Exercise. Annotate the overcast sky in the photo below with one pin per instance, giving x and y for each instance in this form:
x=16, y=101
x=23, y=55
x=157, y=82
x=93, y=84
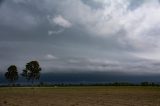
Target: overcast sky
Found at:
x=81, y=35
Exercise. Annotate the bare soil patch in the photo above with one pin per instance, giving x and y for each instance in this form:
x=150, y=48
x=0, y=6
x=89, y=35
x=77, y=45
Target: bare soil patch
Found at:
x=81, y=96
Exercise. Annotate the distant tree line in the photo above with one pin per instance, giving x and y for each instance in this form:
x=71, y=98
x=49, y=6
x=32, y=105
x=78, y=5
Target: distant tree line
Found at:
x=98, y=84
x=31, y=72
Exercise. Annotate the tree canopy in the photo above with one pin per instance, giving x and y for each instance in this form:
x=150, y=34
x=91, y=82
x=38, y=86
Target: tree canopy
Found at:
x=32, y=71
x=12, y=73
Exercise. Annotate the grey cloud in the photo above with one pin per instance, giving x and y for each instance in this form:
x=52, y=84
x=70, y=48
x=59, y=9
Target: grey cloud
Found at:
x=135, y=4
x=16, y=17
x=138, y=67
x=1, y=1
x=93, y=4
x=25, y=30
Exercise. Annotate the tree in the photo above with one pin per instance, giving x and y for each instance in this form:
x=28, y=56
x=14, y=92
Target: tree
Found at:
x=12, y=74
x=32, y=71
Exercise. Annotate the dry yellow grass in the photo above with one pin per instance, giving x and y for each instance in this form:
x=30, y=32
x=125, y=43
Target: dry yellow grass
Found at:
x=81, y=96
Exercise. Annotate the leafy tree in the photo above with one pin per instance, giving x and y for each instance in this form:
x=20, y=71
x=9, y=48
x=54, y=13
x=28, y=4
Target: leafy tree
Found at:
x=32, y=71
x=12, y=74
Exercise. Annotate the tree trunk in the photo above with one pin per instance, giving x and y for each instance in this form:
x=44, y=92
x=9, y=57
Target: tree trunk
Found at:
x=32, y=83
x=33, y=87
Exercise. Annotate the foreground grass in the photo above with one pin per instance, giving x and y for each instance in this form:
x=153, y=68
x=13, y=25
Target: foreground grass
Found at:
x=80, y=96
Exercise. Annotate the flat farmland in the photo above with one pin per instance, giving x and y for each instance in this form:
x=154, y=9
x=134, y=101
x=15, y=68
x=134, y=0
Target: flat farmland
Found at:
x=80, y=96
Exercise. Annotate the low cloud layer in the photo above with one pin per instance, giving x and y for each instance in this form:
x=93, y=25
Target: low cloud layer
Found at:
x=95, y=35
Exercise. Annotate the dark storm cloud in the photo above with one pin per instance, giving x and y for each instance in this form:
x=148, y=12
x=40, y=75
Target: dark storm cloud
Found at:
x=77, y=35
x=1, y=1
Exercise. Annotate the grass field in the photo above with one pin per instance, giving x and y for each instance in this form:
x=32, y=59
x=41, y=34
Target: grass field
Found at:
x=80, y=96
